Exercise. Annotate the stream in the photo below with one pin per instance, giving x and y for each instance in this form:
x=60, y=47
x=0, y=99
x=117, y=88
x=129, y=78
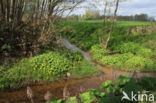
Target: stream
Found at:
x=74, y=86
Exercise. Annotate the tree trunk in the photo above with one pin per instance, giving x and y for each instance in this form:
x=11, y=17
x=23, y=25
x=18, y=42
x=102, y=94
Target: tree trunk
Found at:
x=112, y=24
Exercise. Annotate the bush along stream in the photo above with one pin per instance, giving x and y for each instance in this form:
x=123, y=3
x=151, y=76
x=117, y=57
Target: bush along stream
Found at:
x=51, y=66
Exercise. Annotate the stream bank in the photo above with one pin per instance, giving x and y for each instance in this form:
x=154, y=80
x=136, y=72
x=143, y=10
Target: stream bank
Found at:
x=74, y=86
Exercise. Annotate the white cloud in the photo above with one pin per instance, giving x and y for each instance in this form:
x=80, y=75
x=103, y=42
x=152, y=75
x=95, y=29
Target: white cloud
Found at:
x=129, y=7
x=132, y=7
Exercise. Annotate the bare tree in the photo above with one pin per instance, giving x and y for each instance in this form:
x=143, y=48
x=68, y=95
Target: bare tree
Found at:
x=112, y=23
x=38, y=17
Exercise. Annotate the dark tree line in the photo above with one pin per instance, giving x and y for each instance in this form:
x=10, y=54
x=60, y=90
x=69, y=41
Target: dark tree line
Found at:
x=137, y=17
x=96, y=16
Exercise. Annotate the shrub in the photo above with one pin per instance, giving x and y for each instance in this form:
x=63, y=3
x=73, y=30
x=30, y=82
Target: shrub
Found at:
x=128, y=47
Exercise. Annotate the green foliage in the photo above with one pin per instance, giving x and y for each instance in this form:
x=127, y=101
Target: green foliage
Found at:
x=75, y=56
x=81, y=67
x=136, y=63
x=56, y=101
x=2, y=73
x=116, y=60
x=128, y=47
x=106, y=84
x=51, y=63
x=126, y=61
x=5, y=47
x=111, y=90
x=72, y=100
x=80, y=33
x=122, y=80
x=98, y=52
x=134, y=48
x=132, y=57
x=123, y=83
x=19, y=74
x=45, y=67
x=85, y=35
x=87, y=97
x=150, y=41
x=147, y=53
x=148, y=83
x=84, y=68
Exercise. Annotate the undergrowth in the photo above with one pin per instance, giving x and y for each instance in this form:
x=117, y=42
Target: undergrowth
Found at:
x=46, y=67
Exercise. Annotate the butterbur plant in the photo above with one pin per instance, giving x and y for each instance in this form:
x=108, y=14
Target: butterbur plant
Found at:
x=51, y=63
x=98, y=52
x=137, y=63
x=128, y=47
x=144, y=52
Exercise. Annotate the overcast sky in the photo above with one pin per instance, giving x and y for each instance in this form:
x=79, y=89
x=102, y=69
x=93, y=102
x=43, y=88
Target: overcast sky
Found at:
x=130, y=7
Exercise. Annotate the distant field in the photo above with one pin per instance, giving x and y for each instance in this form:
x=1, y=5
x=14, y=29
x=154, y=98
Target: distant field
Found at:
x=121, y=23
x=132, y=23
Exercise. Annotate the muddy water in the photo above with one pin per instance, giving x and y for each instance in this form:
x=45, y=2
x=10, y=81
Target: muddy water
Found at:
x=74, y=86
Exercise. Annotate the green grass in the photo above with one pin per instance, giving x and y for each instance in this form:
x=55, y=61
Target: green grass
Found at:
x=132, y=23
x=81, y=34
x=85, y=34
x=119, y=23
